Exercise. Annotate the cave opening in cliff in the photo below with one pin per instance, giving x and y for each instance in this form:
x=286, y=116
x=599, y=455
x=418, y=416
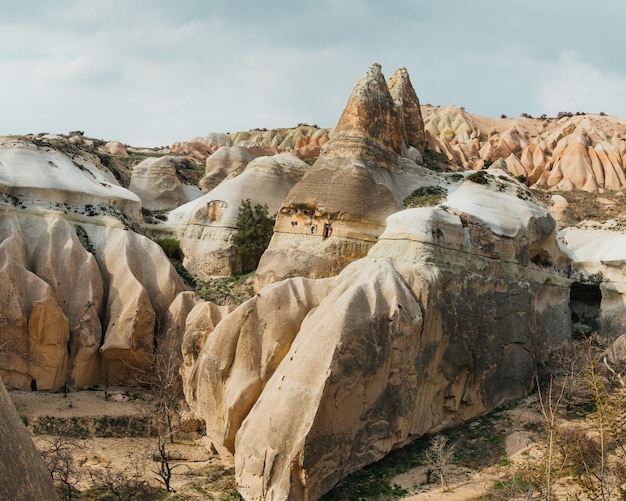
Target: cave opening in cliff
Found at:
x=584, y=303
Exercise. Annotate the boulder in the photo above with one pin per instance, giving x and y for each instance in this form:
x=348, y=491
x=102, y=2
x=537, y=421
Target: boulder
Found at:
x=115, y=148
x=23, y=473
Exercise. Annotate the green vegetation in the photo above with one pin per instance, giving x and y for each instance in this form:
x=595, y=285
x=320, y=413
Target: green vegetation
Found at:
x=232, y=290
x=479, y=177
x=426, y=196
x=437, y=162
x=74, y=427
x=254, y=230
x=478, y=444
x=374, y=481
x=171, y=247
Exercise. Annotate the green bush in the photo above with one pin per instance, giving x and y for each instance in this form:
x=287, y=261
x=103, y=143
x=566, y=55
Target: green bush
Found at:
x=171, y=247
x=254, y=231
x=479, y=177
x=74, y=427
x=426, y=196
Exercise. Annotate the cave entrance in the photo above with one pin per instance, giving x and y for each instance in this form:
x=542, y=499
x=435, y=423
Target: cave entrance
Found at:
x=584, y=303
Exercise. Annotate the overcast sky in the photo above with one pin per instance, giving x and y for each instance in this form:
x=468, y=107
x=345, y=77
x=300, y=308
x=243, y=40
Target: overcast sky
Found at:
x=151, y=72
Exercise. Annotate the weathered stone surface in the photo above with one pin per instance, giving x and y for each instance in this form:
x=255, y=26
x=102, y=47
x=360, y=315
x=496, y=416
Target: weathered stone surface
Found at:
x=338, y=210
x=225, y=162
x=141, y=285
x=408, y=103
x=313, y=379
x=575, y=152
x=205, y=226
x=47, y=177
x=156, y=182
x=35, y=331
x=115, y=148
x=68, y=270
x=23, y=473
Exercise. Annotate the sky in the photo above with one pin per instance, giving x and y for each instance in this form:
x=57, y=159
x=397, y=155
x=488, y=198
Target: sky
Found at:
x=152, y=72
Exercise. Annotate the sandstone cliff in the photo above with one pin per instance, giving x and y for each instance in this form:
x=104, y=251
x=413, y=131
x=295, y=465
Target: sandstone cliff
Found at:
x=338, y=210
x=205, y=226
x=313, y=379
x=81, y=293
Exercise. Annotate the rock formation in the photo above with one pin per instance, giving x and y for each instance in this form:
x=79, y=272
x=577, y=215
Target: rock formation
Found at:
x=23, y=473
x=408, y=103
x=313, y=379
x=338, y=210
x=225, y=162
x=36, y=174
x=205, y=226
x=574, y=152
x=81, y=293
x=156, y=182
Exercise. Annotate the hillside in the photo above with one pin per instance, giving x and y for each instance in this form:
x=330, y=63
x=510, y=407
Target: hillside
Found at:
x=425, y=266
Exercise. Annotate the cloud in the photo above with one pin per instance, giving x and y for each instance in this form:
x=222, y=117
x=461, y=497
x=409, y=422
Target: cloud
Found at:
x=155, y=71
x=572, y=84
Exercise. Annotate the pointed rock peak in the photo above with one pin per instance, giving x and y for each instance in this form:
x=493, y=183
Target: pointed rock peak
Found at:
x=370, y=119
x=407, y=102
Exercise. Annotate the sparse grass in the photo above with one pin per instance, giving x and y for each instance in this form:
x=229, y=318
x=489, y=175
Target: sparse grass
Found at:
x=598, y=207
x=373, y=481
x=479, y=444
x=74, y=427
x=437, y=162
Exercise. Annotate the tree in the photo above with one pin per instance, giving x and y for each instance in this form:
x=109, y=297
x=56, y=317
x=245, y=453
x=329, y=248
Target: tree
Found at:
x=164, y=459
x=439, y=458
x=254, y=231
x=58, y=453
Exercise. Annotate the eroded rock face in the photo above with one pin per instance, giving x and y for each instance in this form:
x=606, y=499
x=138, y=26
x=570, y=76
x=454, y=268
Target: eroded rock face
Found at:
x=583, y=152
x=334, y=215
x=408, y=103
x=81, y=294
x=205, y=226
x=44, y=175
x=313, y=379
x=156, y=182
x=225, y=162
x=23, y=473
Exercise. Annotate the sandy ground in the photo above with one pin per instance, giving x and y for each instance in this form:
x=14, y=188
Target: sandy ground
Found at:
x=198, y=469
x=465, y=484
x=203, y=475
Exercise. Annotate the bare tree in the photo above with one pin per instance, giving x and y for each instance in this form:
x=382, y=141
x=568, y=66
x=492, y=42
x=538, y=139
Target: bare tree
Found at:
x=439, y=458
x=58, y=453
x=125, y=485
x=550, y=403
x=165, y=461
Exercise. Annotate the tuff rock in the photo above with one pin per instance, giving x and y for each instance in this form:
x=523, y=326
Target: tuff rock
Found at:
x=313, y=379
x=357, y=181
